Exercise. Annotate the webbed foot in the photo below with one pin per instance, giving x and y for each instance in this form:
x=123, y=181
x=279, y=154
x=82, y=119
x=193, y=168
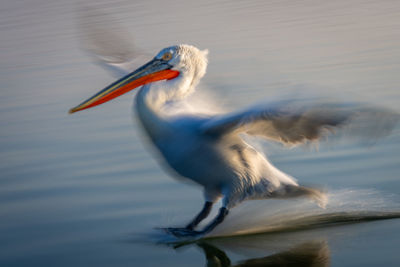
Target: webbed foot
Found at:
x=182, y=232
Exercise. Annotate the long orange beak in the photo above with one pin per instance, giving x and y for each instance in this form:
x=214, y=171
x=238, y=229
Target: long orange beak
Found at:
x=153, y=71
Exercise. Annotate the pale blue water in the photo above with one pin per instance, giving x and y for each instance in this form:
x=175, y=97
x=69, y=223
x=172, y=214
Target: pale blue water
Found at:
x=83, y=189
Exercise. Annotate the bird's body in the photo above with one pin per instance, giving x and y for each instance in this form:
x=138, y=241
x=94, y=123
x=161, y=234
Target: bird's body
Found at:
x=225, y=165
x=209, y=149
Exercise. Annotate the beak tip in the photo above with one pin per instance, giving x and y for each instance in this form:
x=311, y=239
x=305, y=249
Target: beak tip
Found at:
x=72, y=110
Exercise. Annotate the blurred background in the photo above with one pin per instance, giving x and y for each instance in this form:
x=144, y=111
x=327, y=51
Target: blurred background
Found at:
x=83, y=189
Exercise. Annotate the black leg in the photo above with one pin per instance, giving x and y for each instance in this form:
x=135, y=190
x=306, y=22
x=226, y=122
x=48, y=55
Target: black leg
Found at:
x=201, y=216
x=219, y=219
x=189, y=229
x=186, y=232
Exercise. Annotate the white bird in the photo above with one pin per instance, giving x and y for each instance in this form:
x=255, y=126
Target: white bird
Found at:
x=209, y=149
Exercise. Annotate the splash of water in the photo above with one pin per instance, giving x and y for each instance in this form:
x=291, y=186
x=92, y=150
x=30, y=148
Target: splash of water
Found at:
x=344, y=206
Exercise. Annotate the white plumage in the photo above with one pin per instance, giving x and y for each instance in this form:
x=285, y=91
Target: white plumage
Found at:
x=210, y=150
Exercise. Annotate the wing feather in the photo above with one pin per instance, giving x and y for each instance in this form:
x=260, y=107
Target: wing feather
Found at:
x=108, y=43
x=291, y=123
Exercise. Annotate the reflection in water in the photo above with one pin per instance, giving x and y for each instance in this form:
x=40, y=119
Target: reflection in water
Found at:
x=214, y=256
x=313, y=253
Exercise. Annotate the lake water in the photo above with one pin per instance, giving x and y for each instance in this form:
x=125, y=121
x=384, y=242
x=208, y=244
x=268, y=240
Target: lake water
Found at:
x=84, y=190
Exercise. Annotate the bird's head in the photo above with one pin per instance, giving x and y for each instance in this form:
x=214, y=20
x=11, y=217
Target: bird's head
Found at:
x=182, y=65
x=186, y=59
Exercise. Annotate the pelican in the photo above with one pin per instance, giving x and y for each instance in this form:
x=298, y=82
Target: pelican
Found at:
x=209, y=149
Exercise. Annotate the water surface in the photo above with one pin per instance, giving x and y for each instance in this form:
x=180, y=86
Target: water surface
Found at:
x=83, y=189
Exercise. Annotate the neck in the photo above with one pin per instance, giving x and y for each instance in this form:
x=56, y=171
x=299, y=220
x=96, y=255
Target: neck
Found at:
x=148, y=110
x=152, y=99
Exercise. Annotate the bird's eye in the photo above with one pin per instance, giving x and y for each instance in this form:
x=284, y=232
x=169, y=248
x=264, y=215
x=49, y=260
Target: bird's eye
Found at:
x=167, y=56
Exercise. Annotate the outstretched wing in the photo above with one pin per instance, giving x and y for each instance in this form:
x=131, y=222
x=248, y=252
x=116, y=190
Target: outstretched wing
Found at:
x=292, y=123
x=108, y=43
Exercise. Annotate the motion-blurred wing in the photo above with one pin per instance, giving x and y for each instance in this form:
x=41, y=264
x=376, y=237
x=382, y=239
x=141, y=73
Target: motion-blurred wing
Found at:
x=291, y=123
x=109, y=44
